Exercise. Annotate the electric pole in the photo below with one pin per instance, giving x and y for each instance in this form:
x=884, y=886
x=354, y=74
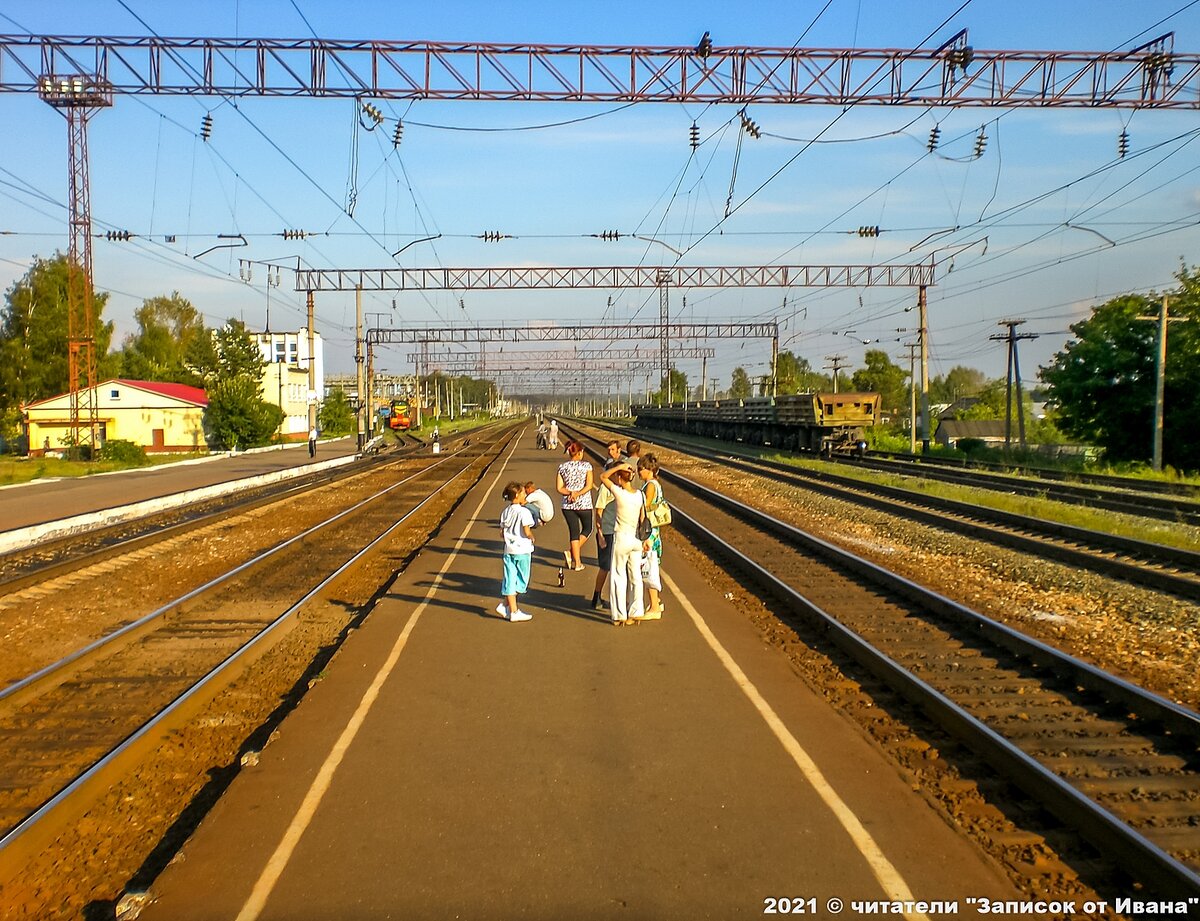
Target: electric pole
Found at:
x=1012, y=337
x=912, y=395
x=1160, y=377
x=837, y=365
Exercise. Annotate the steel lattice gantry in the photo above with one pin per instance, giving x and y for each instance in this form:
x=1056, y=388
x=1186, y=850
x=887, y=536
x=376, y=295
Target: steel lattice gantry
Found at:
x=952, y=74
x=635, y=276
x=584, y=332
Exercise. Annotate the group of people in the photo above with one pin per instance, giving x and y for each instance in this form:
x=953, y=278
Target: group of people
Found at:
x=547, y=434
x=629, y=564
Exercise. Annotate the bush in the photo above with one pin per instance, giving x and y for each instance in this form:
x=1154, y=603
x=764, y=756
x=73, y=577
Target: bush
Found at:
x=970, y=445
x=124, y=452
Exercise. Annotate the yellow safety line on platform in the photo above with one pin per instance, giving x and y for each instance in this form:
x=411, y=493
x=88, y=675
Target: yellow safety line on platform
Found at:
x=320, y=785
x=889, y=877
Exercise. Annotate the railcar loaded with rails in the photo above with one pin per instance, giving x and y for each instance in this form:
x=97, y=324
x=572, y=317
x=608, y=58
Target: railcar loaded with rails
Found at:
x=826, y=423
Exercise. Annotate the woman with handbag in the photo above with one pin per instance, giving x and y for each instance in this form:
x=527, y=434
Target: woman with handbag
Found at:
x=656, y=509
x=625, y=575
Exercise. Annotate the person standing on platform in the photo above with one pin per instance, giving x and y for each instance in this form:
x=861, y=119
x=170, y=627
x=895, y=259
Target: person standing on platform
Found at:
x=652, y=548
x=604, y=517
x=575, y=485
x=625, y=579
x=516, y=527
x=633, y=454
x=553, y=434
x=312, y=442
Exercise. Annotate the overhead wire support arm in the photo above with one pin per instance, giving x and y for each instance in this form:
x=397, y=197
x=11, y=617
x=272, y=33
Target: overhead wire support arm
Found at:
x=954, y=74
x=549, y=277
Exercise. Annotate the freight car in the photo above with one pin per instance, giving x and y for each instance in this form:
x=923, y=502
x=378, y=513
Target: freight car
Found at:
x=819, y=422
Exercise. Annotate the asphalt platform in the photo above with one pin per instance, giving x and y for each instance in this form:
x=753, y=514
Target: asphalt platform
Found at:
x=450, y=764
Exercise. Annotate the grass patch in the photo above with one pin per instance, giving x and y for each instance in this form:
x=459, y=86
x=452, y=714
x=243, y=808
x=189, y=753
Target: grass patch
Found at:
x=1102, y=520
x=15, y=470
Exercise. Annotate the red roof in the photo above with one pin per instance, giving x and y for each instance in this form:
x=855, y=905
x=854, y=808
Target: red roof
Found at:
x=174, y=391
x=183, y=392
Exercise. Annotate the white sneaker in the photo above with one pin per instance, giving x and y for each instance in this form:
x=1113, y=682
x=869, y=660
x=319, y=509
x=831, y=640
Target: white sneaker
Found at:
x=517, y=616
x=502, y=609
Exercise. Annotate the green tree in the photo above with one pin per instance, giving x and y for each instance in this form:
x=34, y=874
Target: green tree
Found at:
x=679, y=388
x=1103, y=383
x=795, y=375
x=237, y=416
x=739, y=384
x=231, y=368
x=157, y=351
x=883, y=377
x=34, y=333
x=959, y=381
x=336, y=417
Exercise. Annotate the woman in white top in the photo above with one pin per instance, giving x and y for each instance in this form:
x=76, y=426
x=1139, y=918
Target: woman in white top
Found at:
x=625, y=577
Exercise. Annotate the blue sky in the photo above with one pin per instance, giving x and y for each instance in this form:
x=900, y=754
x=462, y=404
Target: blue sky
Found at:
x=275, y=164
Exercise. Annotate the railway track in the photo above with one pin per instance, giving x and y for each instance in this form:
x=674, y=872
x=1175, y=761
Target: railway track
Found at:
x=1115, y=763
x=1172, y=570
x=75, y=725
x=1099, y=493
x=1128, y=483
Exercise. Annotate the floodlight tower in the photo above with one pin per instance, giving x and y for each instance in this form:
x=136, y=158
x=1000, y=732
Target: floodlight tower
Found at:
x=78, y=96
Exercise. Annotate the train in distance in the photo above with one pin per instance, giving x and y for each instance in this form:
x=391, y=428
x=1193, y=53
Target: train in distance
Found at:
x=824, y=423
x=399, y=418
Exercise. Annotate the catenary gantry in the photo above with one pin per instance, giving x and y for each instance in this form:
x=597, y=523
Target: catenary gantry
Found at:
x=952, y=74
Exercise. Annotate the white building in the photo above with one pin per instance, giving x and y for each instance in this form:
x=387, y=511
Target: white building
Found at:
x=285, y=378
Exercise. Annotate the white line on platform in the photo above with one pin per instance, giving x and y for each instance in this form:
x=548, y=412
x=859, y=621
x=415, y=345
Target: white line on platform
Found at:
x=888, y=876
x=320, y=785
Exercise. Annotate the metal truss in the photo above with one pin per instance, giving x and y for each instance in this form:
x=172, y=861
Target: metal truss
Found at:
x=954, y=74
x=550, y=277
x=553, y=332
x=470, y=360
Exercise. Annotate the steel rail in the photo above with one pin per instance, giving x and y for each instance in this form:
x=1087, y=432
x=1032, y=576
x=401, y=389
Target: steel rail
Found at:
x=1141, y=504
x=239, y=502
x=135, y=628
x=33, y=832
x=1123, y=843
x=989, y=523
x=1042, y=473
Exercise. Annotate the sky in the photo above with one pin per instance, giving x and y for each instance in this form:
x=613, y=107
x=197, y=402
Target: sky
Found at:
x=1044, y=225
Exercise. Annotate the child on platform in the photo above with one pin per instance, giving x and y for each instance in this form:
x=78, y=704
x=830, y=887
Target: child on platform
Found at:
x=516, y=527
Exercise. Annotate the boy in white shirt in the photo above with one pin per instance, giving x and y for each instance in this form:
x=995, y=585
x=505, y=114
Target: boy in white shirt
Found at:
x=516, y=526
x=539, y=503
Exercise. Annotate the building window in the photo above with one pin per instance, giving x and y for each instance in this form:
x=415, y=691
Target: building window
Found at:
x=114, y=394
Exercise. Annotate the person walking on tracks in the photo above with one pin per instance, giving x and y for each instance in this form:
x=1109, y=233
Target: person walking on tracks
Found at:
x=516, y=527
x=625, y=578
x=575, y=486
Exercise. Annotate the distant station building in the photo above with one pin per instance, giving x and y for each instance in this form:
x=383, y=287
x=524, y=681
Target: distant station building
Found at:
x=160, y=417
x=285, y=378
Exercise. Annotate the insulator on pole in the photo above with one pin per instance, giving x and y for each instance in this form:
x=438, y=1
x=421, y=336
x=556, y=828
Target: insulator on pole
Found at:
x=694, y=136
x=935, y=135
x=1122, y=144
x=398, y=134
x=869, y=231
x=206, y=126
x=980, y=142
x=295, y=234
x=118, y=236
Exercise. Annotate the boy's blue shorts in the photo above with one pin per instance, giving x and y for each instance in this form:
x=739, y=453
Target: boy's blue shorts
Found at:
x=516, y=573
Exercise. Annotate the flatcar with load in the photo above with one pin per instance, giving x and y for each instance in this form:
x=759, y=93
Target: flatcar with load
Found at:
x=825, y=423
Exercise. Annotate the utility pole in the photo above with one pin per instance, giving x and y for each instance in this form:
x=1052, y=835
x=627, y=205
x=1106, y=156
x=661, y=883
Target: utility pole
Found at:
x=837, y=365
x=1012, y=337
x=774, y=367
x=923, y=339
x=312, y=366
x=1160, y=377
x=358, y=368
x=912, y=395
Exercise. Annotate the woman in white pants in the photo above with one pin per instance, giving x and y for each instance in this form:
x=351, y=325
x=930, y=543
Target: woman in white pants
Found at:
x=625, y=577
